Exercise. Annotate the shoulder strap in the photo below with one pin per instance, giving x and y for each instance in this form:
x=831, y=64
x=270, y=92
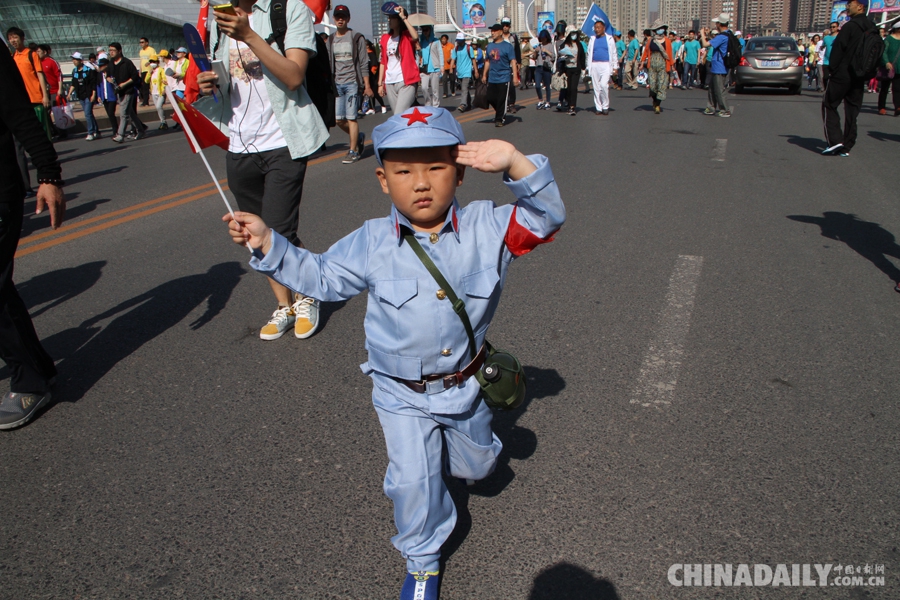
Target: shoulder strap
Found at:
x=278, y=18
x=459, y=307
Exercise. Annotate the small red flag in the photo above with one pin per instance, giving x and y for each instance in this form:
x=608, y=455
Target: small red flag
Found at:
x=205, y=132
x=318, y=7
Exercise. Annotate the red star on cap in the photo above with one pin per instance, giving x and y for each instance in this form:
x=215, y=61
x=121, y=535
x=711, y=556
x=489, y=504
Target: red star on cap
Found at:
x=417, y=117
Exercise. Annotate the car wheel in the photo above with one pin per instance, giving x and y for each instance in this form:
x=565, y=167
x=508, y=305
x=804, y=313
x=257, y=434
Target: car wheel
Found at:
x=738, y=89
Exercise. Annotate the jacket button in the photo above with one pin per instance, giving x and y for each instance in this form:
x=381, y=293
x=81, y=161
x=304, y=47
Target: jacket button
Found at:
x=434, y=238
x=441, y=294
x=446, y=352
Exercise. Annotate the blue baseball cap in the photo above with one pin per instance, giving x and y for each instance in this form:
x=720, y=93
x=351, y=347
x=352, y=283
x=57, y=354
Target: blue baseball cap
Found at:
x=389, y=8
x=419, y=127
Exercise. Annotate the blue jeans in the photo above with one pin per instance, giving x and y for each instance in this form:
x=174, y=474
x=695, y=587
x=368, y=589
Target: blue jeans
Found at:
x=542, y=78
x=88, y=107
x=346, y=102
x=690, y=74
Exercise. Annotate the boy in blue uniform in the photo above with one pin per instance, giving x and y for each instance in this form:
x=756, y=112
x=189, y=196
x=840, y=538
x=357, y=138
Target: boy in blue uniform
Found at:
x=418, y=356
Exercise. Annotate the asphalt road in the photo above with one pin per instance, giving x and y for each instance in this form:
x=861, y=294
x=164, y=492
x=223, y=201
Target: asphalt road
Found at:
x=711, y=345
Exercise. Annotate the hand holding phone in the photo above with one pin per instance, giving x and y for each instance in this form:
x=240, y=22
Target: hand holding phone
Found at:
x=228, y=9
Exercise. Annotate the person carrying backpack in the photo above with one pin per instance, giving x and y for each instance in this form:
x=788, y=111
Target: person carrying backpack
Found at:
x=718, y=51
x=847, y=78
x=272, y=125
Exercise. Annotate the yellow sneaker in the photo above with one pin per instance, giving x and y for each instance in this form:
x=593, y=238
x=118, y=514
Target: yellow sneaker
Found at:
x=306, y=310
x=280, y=321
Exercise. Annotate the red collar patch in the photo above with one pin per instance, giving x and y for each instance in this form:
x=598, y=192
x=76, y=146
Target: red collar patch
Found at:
x=417, y=117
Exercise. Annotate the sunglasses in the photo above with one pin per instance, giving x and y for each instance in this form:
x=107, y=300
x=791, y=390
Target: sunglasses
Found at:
x=476, y=13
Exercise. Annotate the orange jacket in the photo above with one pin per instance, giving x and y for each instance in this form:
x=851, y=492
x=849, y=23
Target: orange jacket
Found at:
x=670, y=60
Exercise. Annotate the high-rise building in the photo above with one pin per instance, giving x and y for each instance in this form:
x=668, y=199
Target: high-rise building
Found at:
x=760, y=16
x=440, y=11
x=710, y=9
x=380, y=21
x=626, y=14
x=680, y=15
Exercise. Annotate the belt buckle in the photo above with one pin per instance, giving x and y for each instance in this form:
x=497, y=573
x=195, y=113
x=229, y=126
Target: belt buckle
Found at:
x=435, y=386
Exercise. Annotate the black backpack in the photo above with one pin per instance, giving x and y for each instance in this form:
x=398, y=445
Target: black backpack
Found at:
x=866, y=56
x=732, y=57
x=319, y=83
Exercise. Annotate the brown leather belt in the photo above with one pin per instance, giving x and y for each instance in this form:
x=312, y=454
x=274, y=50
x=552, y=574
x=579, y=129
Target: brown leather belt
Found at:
x=433, y=383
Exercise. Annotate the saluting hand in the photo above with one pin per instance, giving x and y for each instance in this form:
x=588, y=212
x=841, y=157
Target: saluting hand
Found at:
x=495, y=156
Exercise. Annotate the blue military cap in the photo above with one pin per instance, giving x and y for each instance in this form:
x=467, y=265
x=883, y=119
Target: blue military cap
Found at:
x=419, y=127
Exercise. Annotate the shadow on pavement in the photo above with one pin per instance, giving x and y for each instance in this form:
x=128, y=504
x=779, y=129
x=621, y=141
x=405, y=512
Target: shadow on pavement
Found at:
x=519, y=443
x=33, y=223
x=99, y=152
x=53, y=288
x=89, y=176
x=565, y=580
x=88, y=352
x=885, y=137
x=869, y=240
x=811, y=144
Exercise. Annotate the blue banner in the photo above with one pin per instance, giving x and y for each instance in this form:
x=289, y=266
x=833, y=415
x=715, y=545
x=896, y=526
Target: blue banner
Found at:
x=596, y=14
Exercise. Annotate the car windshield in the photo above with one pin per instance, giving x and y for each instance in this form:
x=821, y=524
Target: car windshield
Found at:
x=771, y=46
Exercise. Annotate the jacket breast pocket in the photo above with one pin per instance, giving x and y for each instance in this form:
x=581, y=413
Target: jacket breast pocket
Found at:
x=396, y=292
x=481, y=284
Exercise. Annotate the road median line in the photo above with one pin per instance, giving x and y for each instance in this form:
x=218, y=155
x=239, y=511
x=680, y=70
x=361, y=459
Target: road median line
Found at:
x=33, y=243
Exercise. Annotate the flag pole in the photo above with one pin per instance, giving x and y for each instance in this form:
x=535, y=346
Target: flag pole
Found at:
x=187, y=129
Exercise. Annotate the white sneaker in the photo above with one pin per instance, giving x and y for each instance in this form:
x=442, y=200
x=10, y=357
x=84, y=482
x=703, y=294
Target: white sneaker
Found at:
x=371, y=111
x=281, y=320
x=90, y=137
x=306, y=310
x=383, y=109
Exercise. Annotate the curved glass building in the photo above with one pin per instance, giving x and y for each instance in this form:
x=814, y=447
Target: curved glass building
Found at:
x=84, y=25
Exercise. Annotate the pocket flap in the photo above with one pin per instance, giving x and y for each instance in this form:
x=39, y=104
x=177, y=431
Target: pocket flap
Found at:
x=481, y=284
x=396, y=292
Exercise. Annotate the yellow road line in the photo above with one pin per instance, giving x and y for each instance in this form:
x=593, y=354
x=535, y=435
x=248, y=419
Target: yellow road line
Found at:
x=33, y=243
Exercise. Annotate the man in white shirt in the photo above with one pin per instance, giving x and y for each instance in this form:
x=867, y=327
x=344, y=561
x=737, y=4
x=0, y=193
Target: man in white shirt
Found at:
x=603, y=65
x=273, y=127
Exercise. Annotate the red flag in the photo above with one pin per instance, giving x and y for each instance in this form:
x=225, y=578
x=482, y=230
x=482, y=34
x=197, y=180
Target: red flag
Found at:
x=318, y=7
x=191, y=89
x=205, y=132
x=202, y=20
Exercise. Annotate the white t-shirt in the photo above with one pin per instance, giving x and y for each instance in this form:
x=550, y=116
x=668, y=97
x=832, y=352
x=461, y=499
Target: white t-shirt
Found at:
x=393, y=74
x=820, y=50
x=253, y=125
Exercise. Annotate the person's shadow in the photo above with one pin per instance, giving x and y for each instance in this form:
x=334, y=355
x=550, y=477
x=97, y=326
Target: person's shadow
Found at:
x=88, y=352
x=518, y=443
x=53, y=288
x=812, y=144
x=885, y=137
x=565, y=581
x=869, y=240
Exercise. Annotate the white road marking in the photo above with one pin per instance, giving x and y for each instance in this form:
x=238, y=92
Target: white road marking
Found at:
x=659, y=372
x=718, y=152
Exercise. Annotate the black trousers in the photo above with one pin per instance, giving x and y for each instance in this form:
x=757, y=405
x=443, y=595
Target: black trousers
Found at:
x=269, y=184
x=511, y=93
x=30, y=365
x=497, y=94
x=887, y=85
x=144, y=89
x=849, y=92
x=110, y=108
x=572, y=76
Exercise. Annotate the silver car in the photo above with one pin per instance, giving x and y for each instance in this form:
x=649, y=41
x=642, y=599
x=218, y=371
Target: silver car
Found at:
x=770, y=62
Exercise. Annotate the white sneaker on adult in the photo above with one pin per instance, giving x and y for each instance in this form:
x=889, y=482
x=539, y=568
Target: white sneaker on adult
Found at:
x=280, y=321
x=306, y=310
